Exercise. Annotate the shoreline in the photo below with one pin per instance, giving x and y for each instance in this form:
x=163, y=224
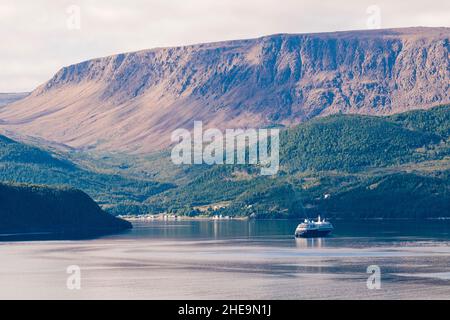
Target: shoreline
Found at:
x=173, y=217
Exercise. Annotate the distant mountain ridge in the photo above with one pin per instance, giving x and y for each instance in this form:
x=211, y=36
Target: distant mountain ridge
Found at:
x=131, y=102
x=6, y=98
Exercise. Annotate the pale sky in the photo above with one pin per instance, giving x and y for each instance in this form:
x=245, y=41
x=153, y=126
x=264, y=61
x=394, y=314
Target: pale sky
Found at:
x=39, y=37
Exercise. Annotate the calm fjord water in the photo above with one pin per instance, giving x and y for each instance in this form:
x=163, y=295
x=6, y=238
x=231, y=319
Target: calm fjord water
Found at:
x=236, y=260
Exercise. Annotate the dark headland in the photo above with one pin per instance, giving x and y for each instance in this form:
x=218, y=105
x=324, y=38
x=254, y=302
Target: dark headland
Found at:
x=31, y=212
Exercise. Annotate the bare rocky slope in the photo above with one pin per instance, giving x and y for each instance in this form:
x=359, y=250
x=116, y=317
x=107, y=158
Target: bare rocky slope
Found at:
x=132, y=102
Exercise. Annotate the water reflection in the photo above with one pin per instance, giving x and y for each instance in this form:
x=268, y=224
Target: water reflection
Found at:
x=271, y=229
x=305, y=243
x=236, y=260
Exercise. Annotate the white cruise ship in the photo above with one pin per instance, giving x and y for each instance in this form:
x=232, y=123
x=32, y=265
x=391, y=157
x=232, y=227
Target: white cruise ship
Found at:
x=310, y=228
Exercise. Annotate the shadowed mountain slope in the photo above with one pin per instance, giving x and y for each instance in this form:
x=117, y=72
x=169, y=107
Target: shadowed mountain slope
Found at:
x=70, y=212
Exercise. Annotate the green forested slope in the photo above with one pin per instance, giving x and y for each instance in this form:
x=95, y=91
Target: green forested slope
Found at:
x=341, y=158
x=346, y=165
x=27, y=164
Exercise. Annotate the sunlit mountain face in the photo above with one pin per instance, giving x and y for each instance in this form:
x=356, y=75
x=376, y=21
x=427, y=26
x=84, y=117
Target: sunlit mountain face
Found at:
x=132, y=102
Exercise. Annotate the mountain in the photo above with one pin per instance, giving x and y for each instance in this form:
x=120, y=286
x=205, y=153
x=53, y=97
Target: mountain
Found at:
x=64, y=213
x=117, y=194
x=347, y=166
x=132, y=102
x=6, y=98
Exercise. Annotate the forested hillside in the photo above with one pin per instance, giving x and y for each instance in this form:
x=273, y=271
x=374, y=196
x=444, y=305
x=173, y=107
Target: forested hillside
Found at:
x=27, y=164
x=345, y=165
x=63, y=211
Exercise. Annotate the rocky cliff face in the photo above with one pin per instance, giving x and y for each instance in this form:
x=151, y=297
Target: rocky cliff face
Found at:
x=132, y=102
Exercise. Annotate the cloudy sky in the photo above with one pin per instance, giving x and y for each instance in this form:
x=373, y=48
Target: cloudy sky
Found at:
x=40, y=36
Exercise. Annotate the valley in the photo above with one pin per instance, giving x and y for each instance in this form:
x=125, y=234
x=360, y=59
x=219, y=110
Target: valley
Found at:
x=380, y=167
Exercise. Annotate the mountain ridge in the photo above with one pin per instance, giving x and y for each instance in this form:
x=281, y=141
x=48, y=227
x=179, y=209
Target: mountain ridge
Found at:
x=10, y=97
x=368, y=32
x=132, y=102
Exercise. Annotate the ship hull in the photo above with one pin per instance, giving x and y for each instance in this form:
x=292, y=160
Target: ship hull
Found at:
x=313, y=233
